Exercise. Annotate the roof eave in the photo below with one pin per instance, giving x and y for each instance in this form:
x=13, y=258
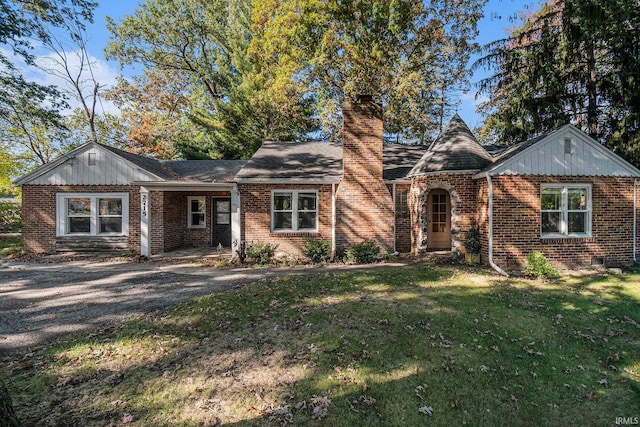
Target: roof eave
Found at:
x=446, y=172
x=332, y=180
x=63, y=158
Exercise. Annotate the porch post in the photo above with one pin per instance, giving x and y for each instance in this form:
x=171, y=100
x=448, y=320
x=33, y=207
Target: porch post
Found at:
x=145, y=202
x=235, y=219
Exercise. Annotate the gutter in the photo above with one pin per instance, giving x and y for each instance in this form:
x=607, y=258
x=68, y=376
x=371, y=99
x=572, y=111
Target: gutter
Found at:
x=491, y=263
x=635, y=223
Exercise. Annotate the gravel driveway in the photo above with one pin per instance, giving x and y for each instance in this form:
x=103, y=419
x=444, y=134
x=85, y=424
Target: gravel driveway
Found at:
x=40, y=302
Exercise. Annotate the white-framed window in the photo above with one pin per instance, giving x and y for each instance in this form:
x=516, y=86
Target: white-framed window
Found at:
x=197, y=207
x=565, y=210
x=92, y=214
x=401, y=201
x=294, y=210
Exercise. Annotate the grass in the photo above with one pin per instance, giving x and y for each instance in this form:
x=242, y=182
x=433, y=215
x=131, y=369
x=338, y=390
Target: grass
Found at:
x=396, y=347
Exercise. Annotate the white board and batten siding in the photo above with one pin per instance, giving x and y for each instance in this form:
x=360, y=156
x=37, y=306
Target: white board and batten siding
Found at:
x=93, y=166
x=566, y=152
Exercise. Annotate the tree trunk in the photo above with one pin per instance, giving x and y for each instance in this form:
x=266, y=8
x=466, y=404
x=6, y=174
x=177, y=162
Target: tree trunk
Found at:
x=7, y=415
x=592, y=93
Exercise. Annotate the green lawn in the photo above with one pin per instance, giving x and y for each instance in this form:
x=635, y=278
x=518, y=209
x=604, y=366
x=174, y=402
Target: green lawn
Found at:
x=395, y=347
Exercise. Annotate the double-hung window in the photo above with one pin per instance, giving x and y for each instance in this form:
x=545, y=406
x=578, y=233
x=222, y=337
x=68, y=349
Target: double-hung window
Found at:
x=401, y=201
x=293, y=210
x=92, y=214
x=197, y=209
x=565, y=210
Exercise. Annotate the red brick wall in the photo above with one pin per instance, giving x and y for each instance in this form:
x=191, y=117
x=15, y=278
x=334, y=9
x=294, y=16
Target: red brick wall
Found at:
x=169, y=222
x=403, y=222
x=39, y=213
x=482, y=216
x=364, y=207
x=255, y=201
x=516, y=222
x=462, y=192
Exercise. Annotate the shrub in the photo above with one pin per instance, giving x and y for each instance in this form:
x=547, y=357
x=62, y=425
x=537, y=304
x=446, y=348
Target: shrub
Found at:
x=10, y=221
x=538, y=266
x=472, y=242
x=262, y=254
x=362, y=253
x=316, y=250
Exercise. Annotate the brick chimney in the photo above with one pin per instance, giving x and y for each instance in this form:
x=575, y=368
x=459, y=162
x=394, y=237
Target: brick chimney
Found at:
x=364, y=207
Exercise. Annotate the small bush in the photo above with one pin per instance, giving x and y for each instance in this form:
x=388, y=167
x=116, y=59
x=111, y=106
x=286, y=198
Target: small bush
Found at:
x=538, y=266
x=316, y=250
x=362, y=253
x=262, y=254
x=472, y=242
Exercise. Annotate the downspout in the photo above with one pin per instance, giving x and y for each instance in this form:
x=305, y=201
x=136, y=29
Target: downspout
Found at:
x=491, y=263
x=393, y=204
x=333, y=221
x=635, y=223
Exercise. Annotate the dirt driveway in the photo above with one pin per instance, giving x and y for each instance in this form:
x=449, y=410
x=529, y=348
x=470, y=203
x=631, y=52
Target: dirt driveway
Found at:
x=41, y=302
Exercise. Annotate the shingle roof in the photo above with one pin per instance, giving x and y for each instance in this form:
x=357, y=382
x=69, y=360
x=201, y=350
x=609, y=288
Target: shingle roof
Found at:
x=455, y=149
x=399, y=159
x=150, y=165
x=206, y=170
x=515, y=149
x=294, y=160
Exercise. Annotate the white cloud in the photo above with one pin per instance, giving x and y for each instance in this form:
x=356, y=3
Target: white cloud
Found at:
x=103, y=74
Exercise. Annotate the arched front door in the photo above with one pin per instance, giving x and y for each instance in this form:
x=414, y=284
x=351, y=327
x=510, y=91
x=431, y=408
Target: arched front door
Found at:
x=439, y=220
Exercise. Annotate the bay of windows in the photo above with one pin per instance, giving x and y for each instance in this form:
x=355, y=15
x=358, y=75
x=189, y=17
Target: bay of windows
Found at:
x=294, y=211
x=565, y=210
x=92, y=214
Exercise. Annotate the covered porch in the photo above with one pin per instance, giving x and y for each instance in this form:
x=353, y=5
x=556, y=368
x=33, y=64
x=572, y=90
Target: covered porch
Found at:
x=183, y=215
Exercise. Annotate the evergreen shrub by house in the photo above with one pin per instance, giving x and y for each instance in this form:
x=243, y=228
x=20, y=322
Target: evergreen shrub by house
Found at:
x=538, y=266
x=316, y=250
x=472, y=242
x=262, y=253
x=362, y=253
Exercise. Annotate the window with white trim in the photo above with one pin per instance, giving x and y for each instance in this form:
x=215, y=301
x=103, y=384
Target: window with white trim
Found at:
x=293, y=210
x=565, y=210
x=197, y=209
x=92, y=214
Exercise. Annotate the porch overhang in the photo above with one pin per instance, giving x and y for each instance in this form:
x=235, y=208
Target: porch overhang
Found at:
x=186, y=185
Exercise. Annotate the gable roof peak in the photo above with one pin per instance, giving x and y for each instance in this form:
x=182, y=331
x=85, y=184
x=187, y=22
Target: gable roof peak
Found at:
x=455, y=149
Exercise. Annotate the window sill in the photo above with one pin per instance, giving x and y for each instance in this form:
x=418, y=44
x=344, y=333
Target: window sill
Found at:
x=292, y=233
x=565, y=236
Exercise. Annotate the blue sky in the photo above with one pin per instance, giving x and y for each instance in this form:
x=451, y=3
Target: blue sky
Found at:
x=498, y=17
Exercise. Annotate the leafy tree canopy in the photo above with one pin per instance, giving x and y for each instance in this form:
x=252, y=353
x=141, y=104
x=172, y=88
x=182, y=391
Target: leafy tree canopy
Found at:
x=412, y=54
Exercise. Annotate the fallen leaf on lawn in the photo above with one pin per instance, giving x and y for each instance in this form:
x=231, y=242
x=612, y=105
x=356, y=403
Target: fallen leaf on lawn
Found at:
x=604, y=382
x=368, y=400
x=427, y=410
x=484, y=368
x=127, y=418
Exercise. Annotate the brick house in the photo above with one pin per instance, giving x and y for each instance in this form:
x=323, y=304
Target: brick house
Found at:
x=561, y=193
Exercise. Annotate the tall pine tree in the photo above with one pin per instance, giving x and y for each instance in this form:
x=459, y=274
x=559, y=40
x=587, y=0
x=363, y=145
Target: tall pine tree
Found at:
x=573, y=61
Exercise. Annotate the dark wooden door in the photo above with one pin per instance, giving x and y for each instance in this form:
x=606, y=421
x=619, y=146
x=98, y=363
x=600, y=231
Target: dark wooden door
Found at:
x=221, y=222
x=439, y=217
